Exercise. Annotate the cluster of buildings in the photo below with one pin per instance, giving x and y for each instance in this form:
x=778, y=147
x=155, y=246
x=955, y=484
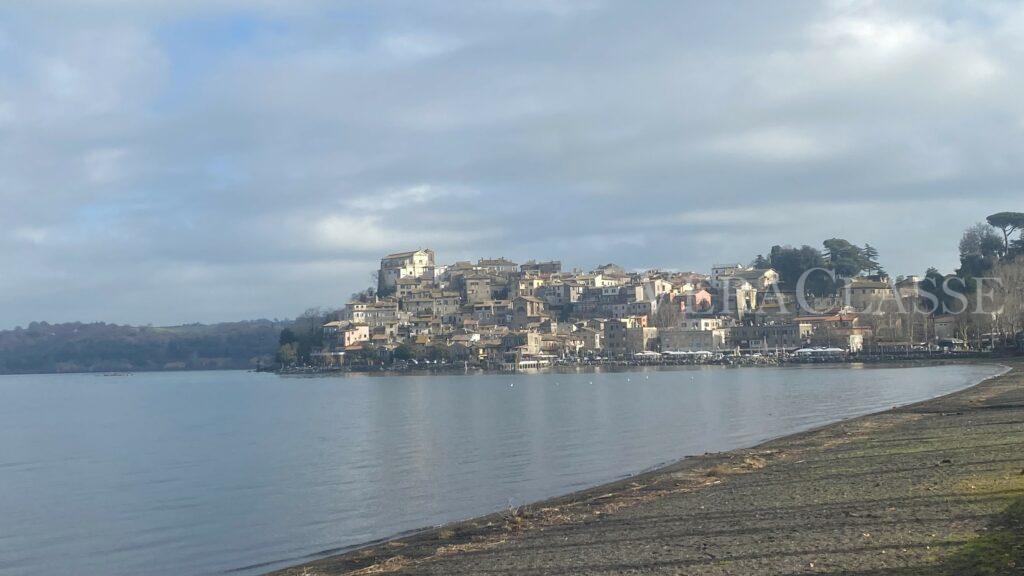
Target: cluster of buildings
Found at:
x=500, y=314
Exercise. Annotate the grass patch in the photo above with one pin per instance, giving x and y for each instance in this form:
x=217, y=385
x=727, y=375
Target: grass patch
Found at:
x=1001, y=551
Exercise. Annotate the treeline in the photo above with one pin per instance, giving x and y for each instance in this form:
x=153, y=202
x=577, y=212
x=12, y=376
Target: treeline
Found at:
x=986, y=293
x=99, y=347
x=984, y=296
x=988, y=244
x=988, y=252
x=297, y=342
x=838, y=259
x=984, y=247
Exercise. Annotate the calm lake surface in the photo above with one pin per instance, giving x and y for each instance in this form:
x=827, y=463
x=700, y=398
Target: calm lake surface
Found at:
x=214, y=472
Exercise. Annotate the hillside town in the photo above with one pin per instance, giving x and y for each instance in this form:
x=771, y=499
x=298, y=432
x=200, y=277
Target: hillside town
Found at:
x=498, y=314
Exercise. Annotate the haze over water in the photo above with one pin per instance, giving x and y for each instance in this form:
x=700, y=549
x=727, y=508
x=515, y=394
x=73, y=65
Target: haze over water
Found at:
x=209, y=472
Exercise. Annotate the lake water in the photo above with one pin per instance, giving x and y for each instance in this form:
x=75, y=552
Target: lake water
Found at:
x=211, y=472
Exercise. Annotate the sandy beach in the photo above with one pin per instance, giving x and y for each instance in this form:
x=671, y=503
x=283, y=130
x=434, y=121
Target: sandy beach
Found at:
x=936, y=487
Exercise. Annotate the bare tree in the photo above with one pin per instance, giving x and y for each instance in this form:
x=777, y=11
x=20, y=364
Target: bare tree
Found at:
x=1007, y=286
x=668, y=314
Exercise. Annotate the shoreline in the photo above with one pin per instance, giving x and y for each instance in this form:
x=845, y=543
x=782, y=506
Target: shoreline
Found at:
x=497, y=534
x=933, y=360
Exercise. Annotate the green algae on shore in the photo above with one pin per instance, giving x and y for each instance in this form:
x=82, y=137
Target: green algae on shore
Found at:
x=998, y=552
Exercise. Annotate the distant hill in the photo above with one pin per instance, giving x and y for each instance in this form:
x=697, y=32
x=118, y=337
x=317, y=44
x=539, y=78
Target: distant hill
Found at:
x=100, y=347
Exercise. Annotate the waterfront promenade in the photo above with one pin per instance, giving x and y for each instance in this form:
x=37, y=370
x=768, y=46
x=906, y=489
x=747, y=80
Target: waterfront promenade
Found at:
x=932, y=488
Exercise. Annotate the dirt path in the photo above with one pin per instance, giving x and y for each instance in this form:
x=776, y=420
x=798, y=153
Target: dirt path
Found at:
x=933, y=488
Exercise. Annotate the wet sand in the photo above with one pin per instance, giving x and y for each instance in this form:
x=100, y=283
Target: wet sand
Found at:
x=932, y=488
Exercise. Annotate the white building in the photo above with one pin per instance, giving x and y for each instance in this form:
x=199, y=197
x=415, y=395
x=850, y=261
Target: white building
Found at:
x=414, y=264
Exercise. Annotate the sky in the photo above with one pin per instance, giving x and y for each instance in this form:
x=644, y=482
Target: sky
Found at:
x=178, y=161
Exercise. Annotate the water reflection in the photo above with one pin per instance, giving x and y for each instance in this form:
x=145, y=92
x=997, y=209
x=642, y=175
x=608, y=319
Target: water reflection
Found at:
x=206, y=472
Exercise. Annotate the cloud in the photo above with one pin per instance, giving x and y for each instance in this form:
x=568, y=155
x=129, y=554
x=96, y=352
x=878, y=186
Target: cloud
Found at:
x=778, y=144
x=412, y=47
x=350, y=233
x=407, y=197
x=878, y=51
x=104, y=165
x=32, y=235
x=209, y=160
x=718, y=218
x=561, y=8
x=345, y=233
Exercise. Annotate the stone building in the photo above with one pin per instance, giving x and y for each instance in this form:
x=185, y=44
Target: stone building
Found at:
x=413, y=264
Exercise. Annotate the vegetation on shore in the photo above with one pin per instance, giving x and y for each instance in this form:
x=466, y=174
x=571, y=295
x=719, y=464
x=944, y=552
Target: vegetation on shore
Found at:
x=1000, y=551
x=984, y=248
x=297, y=341
x=989, y=277
x=839, y=256
x=42, y=347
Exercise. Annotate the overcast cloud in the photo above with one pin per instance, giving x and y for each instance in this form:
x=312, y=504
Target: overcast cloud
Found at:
x=179, y=161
